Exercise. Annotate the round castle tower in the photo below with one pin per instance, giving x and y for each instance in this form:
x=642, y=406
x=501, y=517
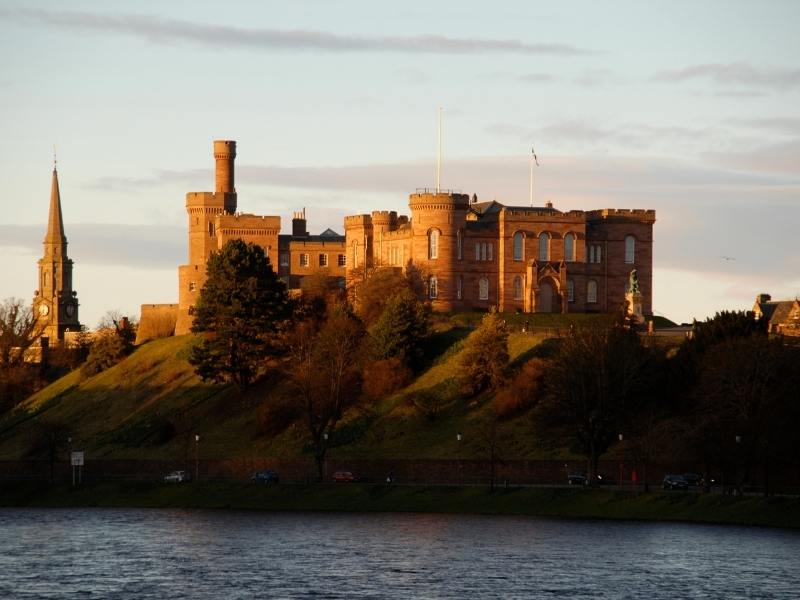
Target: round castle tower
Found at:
x=438, y=221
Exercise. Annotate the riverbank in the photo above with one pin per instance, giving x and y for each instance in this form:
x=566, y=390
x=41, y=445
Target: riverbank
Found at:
x=549, y=502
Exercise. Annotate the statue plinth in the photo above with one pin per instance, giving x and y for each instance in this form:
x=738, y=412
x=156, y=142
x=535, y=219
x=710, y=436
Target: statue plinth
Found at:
x=634, y=300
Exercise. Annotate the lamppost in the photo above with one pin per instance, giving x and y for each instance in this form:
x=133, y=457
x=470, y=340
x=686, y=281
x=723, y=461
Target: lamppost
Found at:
x=196, y=457
x=620, y=437
x=460, y=437
x=738, y=482
x=325, y=461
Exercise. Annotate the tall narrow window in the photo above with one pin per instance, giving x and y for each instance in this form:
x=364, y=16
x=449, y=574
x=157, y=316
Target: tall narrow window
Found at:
x=304, y=260
x=342, y=260
x=517, y=288
x=570, y=290
x=433, y=243
x=489, y=252
x=433, y=287
x=598, y=254
x=630, y=249
x=569, y=247
x=284, y=259
x=483, y=289
x=591, y=291
x=355, y=254
x=323, y=260
x=591, y=254
x=544, y=246
x=519, y=245
x=459, y=287
x=459, y=244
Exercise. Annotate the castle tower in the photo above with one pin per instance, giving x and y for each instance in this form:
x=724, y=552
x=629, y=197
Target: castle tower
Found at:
x=438, y=221
x=55, y=302
x=204, y=210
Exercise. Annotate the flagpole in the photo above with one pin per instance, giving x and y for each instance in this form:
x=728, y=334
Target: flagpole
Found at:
x=531, y=179
x=439, y=150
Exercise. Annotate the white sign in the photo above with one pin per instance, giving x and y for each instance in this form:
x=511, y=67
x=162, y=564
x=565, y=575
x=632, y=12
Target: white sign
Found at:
x=77, y=459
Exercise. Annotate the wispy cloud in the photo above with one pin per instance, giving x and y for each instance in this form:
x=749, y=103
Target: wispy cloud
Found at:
x=537, y=78
x=592, y=78
x=735, y=74
x=171, y=31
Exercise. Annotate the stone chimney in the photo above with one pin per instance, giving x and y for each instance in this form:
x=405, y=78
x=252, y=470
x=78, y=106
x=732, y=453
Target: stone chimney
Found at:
x=299, y=224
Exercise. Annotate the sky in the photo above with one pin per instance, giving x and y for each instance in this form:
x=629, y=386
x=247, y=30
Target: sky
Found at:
x=689, y=108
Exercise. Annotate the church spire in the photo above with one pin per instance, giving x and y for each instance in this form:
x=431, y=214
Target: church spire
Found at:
x=55, y=225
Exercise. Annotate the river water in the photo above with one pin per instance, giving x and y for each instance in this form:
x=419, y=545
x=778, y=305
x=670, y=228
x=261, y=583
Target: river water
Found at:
x=154, y=553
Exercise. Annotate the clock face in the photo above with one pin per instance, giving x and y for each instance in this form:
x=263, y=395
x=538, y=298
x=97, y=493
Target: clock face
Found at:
x=44, y=310
x=70, y=310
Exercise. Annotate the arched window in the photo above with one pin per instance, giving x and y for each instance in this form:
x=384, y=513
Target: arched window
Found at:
x=433, y=287
x=477, y=250
x=459, y=244
x=519, y=246
x=433, y=243
x=569, y=247
x=517, y=288
x=630, y=249
x=591, y=291
x=483, y=289
x=544, y=246
x=459, y=287
x=570, y=290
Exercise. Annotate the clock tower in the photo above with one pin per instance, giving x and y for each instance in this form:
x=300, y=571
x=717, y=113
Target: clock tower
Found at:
x=55, y=303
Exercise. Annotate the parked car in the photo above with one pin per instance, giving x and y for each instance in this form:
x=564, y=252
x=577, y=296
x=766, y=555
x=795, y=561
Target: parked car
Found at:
x=693, y=479
x=265, y=477
x=341, y=476
x=576, y=479
x=176, y=477
x=674, y=482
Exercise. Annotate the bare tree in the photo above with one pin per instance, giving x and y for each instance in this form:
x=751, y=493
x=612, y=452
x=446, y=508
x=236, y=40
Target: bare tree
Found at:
x=19, y=330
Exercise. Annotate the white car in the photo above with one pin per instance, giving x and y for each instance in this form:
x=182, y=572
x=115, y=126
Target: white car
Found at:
x=176, y=477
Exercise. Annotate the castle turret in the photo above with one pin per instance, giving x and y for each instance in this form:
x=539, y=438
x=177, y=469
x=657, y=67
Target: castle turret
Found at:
x=358, y=244
x=438, y=221
x=225, y=154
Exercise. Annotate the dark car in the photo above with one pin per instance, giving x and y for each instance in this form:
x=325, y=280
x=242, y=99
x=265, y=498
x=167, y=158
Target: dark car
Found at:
x=344, y=476
x=576, y=479
x=674, y=482
x=693, y=479
x=268, y=476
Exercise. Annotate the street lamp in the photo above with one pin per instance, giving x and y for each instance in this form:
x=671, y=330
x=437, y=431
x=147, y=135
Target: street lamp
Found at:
x=620, y=437
x=459, y=436
x=196, y=457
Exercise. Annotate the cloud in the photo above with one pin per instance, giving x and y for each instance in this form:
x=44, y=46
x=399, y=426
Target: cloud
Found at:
x=782, y=125
x=735, y=74
x=171, y=31
x=139, y=246
x=537, y=78
x=592, y=78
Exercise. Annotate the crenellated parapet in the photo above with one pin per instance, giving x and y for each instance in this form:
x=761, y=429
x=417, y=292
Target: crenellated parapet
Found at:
x=638, y=214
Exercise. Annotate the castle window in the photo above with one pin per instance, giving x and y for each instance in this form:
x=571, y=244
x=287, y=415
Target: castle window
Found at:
x=477, y=251
x=591, y=291
x=598, y=254
x=544, y=246
x=433, y=287
x=284, y=259
x=570, y=290
x=489, y=252
x=304, y=260
x=569, y=247
x=519, y=246
x=459, y=244
x=211, y=229
x=459, y=284
x=630, y=249
x=517, y=288
x=433, y=244
x=483, y=289
x=192, y=286
x=355, y=254
x=323, y=260
x=341, y=260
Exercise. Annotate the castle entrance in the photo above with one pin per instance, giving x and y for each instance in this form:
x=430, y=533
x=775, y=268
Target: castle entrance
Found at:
x=545, y=303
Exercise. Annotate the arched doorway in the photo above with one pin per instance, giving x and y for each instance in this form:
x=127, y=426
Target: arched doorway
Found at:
x=545, y=304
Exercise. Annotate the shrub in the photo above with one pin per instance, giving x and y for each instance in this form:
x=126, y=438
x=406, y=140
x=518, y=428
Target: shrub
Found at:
x=524, y=390
x=485, y=356
x=106, y=351
x=384, y=377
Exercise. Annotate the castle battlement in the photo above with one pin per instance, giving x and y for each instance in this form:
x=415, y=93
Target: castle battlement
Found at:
x=639, y=214
x=357, y=221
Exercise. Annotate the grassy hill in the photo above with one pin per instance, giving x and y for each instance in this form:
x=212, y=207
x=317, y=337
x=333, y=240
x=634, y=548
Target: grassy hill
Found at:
x=150, y=406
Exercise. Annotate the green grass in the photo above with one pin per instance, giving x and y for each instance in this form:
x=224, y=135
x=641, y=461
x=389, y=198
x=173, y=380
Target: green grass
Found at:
x=550, y=502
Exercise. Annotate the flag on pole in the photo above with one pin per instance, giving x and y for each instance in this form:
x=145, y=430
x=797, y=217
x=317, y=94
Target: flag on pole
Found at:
x=535, y=159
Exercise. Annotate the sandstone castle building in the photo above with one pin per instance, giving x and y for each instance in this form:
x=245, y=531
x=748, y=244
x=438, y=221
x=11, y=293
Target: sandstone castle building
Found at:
x=470, y=254
x=55, y=303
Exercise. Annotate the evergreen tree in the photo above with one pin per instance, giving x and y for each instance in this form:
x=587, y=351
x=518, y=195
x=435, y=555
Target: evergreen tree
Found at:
x=401, y=330
x=240, y=310
x=485, y=358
